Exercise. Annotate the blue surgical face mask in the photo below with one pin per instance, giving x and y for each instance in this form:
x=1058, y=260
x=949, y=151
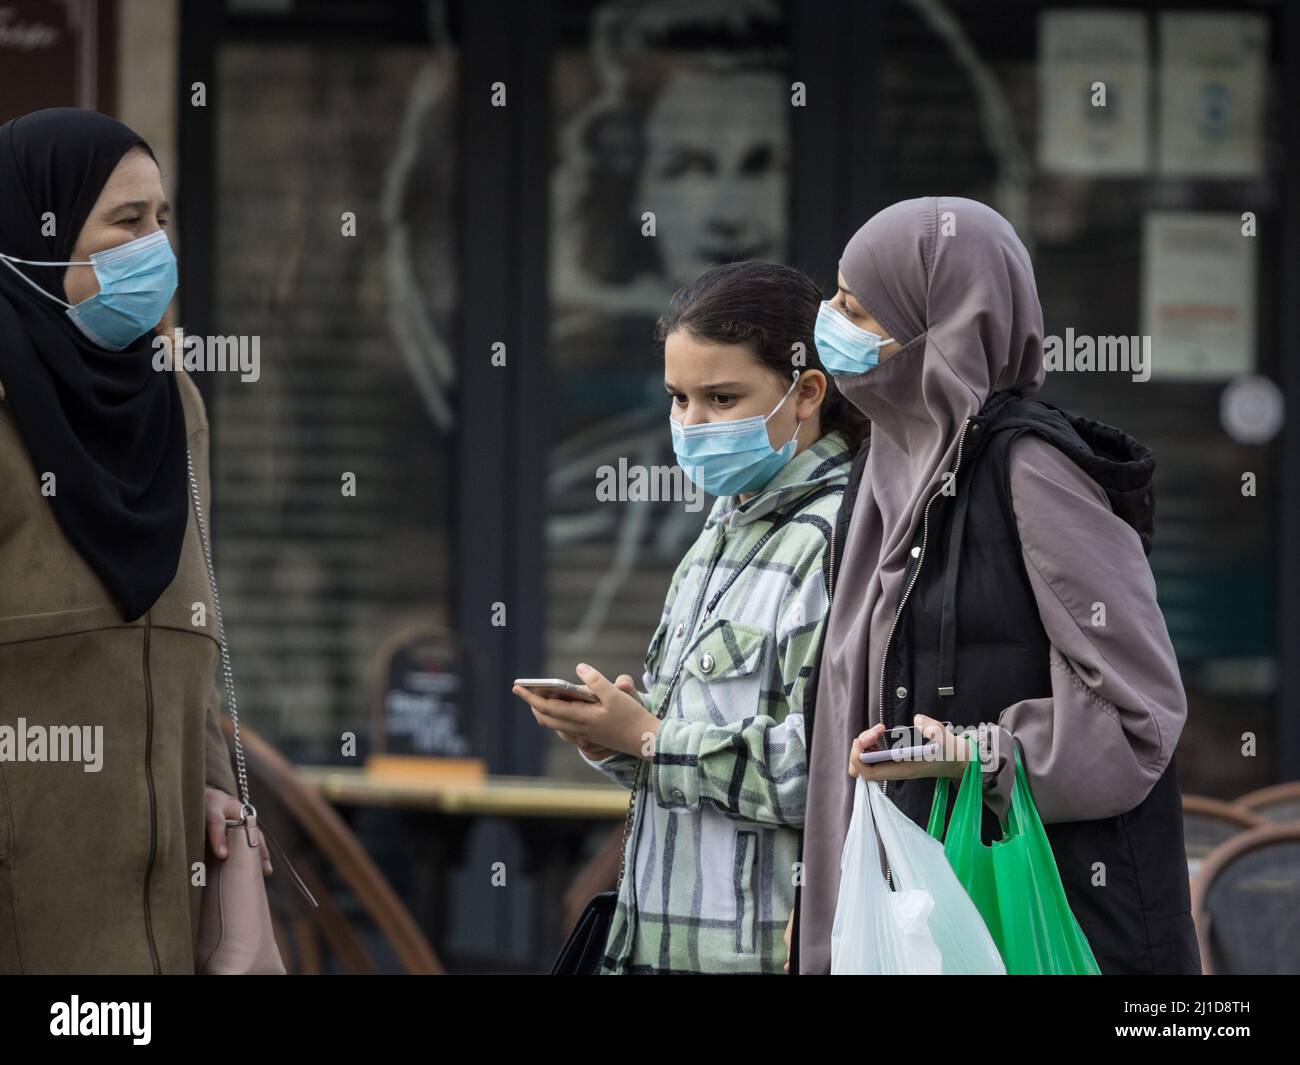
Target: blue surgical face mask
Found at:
x=842, y=347
x=724, y=458
x=136, y=282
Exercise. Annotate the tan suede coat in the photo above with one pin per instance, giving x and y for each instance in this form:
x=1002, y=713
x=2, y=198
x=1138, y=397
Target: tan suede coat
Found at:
x=96, y=868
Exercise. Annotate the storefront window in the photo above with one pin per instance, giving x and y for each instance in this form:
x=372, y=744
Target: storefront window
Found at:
x=332, y=469
x=672, y=146
x=1127, y=146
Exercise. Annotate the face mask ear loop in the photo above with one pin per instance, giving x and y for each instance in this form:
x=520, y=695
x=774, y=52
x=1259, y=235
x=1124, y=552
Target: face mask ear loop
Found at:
x=843, y=319
x=783, y=398
x=797, y=426
x=883, y=340
x=797, y=422
x=9, y=261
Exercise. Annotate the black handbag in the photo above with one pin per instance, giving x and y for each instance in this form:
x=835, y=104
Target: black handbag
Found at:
x=581, y=953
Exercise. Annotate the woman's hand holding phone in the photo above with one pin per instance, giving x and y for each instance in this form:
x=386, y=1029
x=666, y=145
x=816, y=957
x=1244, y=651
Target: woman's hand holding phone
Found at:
x=591, y=750
x=616, y=723
x=950, y=761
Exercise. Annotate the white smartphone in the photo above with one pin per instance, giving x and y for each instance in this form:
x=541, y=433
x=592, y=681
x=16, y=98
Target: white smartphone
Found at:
x=557, y=688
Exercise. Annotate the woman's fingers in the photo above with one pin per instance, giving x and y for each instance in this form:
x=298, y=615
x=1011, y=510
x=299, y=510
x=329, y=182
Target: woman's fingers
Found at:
x=560, y=728
x=216, y=822
x=564, y=729
x=537, y=702
x=933, y=731
x=594, y=680
x=865, y=741
x=952, y=748
x=218, y=807
x=570, y=711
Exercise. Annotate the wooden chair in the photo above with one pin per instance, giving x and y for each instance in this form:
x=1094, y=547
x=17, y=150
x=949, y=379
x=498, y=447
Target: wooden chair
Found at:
x=1209, y=823
x=1279, y=803
x=325, y=852
x=1246, y=903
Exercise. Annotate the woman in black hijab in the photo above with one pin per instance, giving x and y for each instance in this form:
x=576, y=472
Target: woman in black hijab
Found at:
x=104, y=423
x=105, y=630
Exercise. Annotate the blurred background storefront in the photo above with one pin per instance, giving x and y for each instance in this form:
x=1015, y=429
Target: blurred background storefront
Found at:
x=433, y=216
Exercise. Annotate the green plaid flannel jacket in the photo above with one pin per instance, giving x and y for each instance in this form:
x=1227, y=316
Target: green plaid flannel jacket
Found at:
x=710, y=857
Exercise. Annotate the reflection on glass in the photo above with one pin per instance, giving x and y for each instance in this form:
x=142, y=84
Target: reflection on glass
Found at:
x=355, y=372
x=673, y=155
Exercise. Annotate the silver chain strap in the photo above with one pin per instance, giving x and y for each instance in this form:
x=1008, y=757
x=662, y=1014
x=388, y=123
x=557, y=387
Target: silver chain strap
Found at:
x=231, y=707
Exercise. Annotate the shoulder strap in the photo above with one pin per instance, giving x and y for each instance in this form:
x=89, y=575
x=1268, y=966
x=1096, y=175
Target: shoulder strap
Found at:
x=246, y=808
x=840, y=530
x=231, y=706
x=780, y=519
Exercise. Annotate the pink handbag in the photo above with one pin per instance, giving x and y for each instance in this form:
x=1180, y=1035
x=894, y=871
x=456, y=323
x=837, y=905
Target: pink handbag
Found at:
x=235, y=932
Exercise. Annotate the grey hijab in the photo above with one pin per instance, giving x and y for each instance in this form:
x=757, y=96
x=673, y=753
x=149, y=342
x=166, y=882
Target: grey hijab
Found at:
x=949, y=280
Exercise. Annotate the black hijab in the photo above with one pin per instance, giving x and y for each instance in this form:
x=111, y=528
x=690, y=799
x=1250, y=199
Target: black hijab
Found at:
x=105, y=423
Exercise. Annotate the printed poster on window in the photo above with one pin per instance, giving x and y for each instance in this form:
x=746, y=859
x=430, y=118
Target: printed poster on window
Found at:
x=1213, y=69
x=1093, y=75
x=1198, y=295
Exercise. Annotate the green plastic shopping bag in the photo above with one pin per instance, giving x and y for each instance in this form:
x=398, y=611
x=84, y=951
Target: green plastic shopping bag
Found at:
x=1013, y=882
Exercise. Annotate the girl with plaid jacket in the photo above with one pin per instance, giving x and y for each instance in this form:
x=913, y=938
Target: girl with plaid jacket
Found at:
x=713, y=748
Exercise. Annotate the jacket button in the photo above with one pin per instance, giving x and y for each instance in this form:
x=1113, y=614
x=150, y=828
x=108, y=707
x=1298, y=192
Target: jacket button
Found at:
x=706, y=663
x=901, y=692
x=916, y=552
x=680, y=626
x=679, y=795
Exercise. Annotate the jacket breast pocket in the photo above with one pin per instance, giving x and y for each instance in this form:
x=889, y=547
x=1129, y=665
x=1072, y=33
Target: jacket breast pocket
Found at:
x=723, y=674
x=726, y=650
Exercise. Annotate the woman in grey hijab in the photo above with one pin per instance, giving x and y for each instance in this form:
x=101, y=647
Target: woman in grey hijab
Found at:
x=993, y=577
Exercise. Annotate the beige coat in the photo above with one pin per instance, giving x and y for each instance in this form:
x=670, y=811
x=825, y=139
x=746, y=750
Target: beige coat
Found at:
x=96, y=868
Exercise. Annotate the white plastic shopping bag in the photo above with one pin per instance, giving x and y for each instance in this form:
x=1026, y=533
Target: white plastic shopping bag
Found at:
x=927, y=924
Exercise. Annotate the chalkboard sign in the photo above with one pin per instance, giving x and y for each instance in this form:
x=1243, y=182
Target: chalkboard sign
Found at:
x=423, y=719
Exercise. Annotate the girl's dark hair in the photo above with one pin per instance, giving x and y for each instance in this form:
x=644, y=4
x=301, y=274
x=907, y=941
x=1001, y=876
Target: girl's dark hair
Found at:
x=769, y=308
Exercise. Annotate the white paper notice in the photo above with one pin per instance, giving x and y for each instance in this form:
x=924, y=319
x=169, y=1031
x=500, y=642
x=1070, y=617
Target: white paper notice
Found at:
x=1198, y=295
x=1213, y=68
x=1092, y=90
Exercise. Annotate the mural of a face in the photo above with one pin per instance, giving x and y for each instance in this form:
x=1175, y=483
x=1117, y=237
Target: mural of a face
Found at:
x=717, y=159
